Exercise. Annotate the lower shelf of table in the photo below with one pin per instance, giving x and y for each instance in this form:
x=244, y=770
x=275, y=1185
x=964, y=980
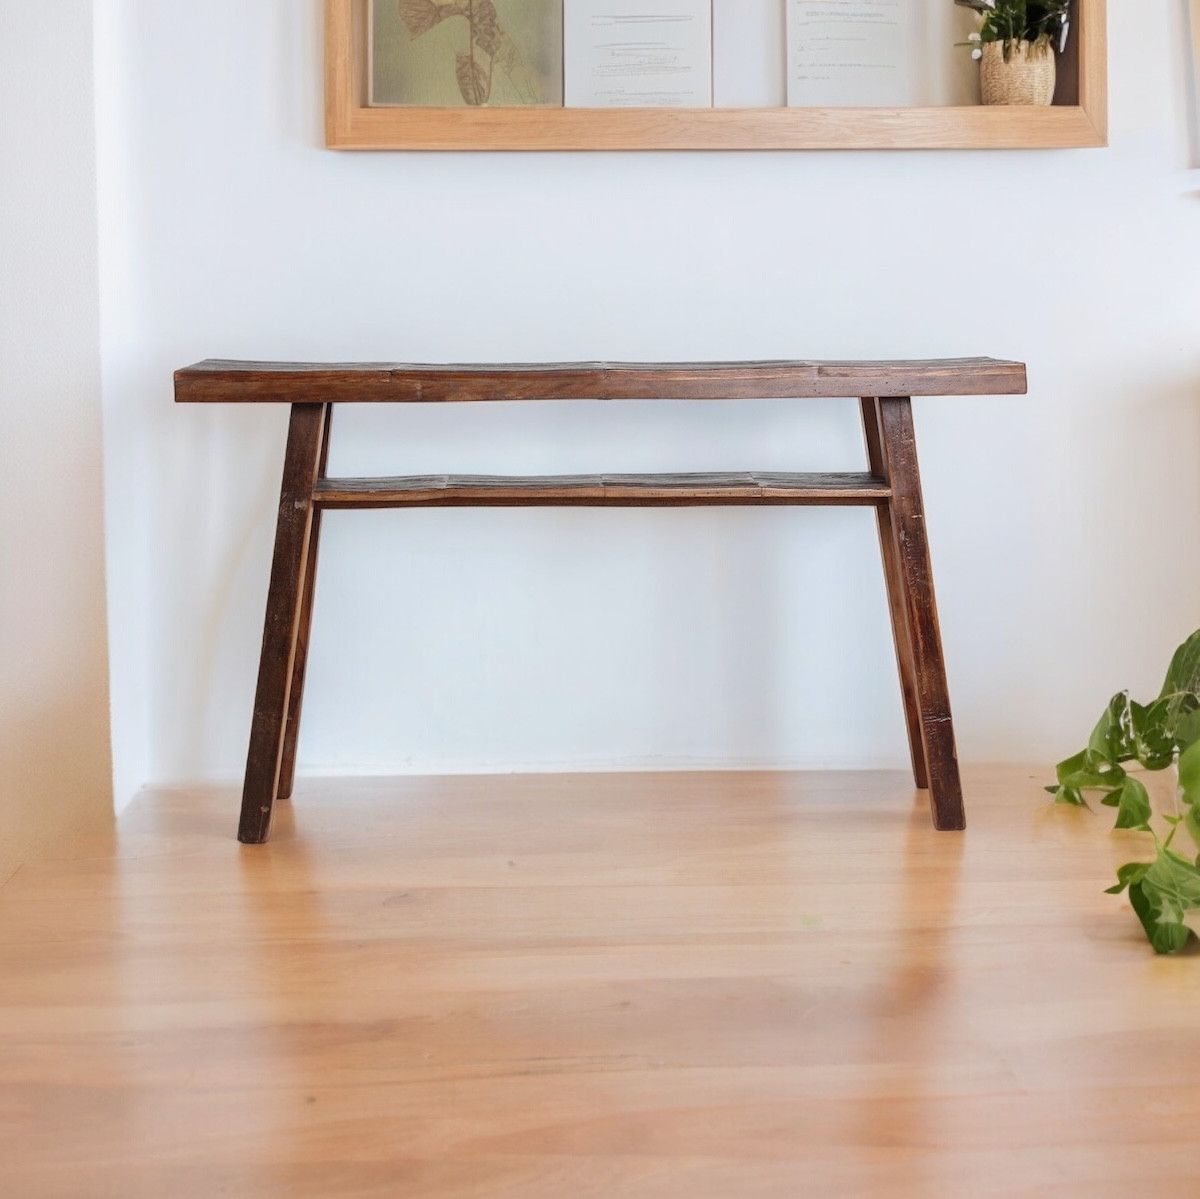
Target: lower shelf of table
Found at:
x=598, y=491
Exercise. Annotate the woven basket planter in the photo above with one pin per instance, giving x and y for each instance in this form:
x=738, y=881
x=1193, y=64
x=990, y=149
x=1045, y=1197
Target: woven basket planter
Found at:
x=1027, y=77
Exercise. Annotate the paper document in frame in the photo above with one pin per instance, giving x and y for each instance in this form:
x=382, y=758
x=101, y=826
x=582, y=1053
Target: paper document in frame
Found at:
x=637, y=53
x=852, y=53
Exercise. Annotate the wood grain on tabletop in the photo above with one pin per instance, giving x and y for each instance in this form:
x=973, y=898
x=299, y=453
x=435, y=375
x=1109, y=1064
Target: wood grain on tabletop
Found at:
x=220, y=381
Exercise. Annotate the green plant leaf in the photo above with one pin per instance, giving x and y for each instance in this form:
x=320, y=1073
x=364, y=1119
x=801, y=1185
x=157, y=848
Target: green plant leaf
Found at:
x=1191, y=822
x=1133, y=805
x=1165, y=936
x=1068, y=795
x=1184, y=672
x=1177, y=881
x=1154, y=732
x=1069, y=767
x=1189, y=773
x=1187, y=723
x=1131, y=872
x=1085, y=771
x=1112, y=739
x=1162, y=893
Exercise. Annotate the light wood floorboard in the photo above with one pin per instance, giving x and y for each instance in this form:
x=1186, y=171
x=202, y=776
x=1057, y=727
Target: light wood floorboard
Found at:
x=718, y=986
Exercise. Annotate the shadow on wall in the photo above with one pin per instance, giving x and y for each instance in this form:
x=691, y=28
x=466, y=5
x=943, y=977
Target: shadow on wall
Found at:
x=49, y=787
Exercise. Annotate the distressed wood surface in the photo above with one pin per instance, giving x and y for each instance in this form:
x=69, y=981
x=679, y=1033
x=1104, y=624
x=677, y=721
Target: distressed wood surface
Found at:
x=285, y=601
x=220, y=381
x=607, y=986
x=892, y=484
x=291, y=732
x=667, y=490
x=897, y=608
x=913, y=573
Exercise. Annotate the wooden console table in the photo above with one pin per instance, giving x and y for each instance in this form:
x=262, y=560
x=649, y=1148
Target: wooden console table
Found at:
x=891, y=485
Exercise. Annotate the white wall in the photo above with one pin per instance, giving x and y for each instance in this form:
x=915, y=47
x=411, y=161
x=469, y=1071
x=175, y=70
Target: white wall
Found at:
x=1062, y=524
x=54, y=745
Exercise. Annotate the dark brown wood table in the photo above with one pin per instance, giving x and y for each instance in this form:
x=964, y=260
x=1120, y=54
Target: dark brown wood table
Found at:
x=891, y=484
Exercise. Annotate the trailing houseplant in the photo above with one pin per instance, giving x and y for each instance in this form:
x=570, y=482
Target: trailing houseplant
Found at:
x=1164, y=892
x=1016, y=42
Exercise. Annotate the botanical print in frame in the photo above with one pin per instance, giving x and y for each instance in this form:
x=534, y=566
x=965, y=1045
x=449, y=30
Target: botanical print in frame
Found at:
x=498, y=53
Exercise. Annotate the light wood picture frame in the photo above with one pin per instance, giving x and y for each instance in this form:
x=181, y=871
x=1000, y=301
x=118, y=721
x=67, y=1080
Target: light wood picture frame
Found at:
x=1194, y=23
x=351, y=124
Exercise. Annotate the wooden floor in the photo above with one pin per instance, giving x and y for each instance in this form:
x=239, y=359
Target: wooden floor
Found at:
x=719, y=986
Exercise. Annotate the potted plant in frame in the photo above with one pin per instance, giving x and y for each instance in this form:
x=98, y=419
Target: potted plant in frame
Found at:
x=1016, y=45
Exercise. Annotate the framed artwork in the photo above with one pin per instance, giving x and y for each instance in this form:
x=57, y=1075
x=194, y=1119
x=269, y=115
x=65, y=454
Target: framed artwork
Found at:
x=466, y=53
x=488, y=75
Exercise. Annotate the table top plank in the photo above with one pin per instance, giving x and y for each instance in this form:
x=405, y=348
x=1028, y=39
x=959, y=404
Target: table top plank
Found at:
x=222, y=381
